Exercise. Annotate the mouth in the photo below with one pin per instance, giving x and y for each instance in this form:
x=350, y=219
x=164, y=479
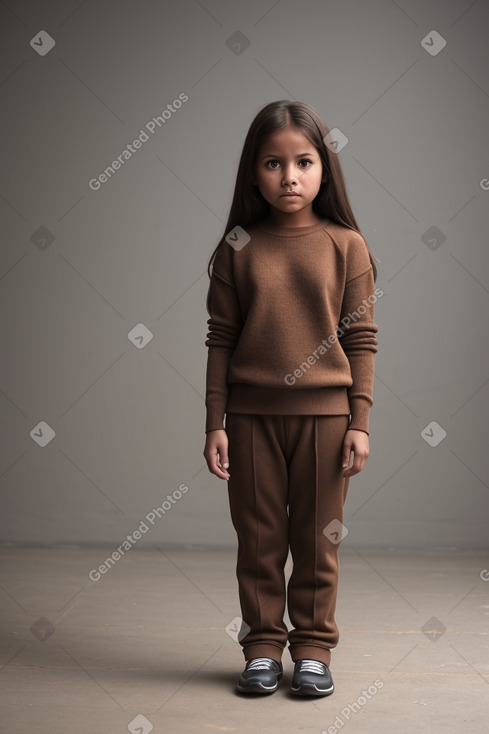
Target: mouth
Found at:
x=291, y=195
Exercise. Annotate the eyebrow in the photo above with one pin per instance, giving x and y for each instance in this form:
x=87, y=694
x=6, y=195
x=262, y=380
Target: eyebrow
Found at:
x=301, y=155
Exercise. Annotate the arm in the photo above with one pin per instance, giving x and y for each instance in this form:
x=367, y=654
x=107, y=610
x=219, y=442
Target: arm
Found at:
x=225, y=325
x=359, y=343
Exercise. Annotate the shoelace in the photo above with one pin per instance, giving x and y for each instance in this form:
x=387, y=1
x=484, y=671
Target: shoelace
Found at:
x=267, y=663
x=312, y=666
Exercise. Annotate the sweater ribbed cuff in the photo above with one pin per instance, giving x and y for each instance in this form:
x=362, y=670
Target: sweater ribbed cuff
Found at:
x=214, y=421
x=360, y=414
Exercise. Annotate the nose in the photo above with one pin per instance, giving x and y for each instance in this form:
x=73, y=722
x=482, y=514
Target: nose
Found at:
x=289, y=176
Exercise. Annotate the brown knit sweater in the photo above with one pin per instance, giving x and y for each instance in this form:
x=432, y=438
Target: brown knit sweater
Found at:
x=291, y=327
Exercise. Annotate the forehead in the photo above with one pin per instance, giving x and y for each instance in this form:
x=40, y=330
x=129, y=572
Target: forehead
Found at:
x=288, y=140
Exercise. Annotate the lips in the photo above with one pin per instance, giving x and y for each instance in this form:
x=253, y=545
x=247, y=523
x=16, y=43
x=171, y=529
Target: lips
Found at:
x=291, y=196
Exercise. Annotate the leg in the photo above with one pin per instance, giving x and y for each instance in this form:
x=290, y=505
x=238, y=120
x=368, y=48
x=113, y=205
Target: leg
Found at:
x=317, y=492
x=257, y=491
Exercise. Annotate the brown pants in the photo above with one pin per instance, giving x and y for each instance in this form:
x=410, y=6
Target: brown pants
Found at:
x=286, y=485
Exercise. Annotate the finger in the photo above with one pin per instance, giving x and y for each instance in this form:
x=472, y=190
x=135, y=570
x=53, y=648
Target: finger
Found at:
x=212, y=460
x=220, y=465
x=222, y=473
x=216, y=469
x=346, y=453
x=359, y=461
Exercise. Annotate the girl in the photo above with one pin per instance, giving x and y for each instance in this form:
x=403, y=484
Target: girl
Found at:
x=291, y=364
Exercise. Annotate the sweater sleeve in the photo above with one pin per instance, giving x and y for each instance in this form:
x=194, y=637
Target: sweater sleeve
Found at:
x=358, y=340
x=225, y=324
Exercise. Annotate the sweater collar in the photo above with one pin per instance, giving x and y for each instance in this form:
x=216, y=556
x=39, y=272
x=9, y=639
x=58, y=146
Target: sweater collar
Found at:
x=291, y=231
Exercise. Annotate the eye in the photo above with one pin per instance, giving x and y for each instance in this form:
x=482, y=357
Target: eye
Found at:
x=271, y=161
x=305, y=160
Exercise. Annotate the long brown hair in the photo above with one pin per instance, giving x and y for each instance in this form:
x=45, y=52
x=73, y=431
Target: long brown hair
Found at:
x=248, y=205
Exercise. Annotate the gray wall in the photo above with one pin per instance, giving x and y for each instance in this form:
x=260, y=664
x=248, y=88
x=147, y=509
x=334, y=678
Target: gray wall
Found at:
x=128, y=421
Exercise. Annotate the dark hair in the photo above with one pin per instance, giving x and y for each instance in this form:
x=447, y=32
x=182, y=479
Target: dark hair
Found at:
x=248, y=205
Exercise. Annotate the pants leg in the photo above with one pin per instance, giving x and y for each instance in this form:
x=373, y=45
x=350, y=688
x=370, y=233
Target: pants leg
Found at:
x=257, y=491
x=286, y=486
x=317, y=493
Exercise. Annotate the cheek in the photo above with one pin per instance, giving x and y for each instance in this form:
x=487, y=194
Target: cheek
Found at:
x=311, y=178
x=268, y=180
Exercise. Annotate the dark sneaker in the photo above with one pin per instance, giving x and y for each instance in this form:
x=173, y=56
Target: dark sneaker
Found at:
x=311, y=678
x=261, y=675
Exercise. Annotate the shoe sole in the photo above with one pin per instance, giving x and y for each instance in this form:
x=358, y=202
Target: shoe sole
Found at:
x=312, y=690
x=258, y=688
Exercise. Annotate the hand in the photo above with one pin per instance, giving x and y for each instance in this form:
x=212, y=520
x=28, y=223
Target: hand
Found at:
x=356, y=441
x=216, y=453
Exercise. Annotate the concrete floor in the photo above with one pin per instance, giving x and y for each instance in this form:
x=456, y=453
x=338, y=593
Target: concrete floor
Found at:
x=145, y=647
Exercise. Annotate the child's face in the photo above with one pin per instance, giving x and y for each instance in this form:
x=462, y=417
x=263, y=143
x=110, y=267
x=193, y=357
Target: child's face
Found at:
x=288, y=161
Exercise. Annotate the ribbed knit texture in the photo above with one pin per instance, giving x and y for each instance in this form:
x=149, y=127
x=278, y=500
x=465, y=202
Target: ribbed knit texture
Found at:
x=291, y=327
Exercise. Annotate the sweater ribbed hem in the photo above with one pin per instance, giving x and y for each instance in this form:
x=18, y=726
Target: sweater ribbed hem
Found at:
x=245, y=398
